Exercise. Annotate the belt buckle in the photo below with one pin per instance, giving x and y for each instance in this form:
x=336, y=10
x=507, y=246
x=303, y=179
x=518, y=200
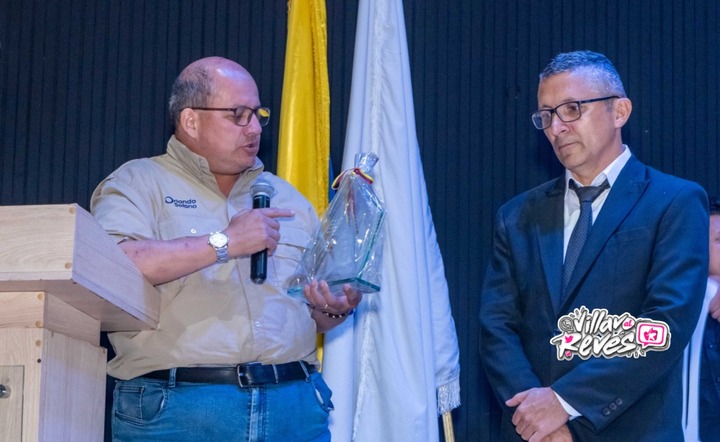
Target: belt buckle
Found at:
x=241, y=374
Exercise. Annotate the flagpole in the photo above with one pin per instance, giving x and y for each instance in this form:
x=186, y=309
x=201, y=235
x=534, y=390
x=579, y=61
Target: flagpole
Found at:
x=448, y=427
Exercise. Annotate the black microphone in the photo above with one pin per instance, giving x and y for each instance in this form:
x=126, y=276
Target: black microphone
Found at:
x=261, y=192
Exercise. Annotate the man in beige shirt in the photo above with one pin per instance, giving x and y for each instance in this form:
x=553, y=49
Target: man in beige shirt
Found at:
x=231, y=359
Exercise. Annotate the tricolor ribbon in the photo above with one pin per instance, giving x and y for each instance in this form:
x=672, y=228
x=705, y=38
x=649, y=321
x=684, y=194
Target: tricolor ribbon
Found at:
x=356, y=170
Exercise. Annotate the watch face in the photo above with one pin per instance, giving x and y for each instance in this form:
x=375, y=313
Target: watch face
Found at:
x=218, y=239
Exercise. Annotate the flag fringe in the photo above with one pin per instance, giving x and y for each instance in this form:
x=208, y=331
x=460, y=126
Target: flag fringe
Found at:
x=448, y=396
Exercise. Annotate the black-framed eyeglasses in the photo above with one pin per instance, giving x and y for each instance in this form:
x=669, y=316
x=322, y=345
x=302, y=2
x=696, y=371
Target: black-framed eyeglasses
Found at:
x=567, y=112
x=243, y=114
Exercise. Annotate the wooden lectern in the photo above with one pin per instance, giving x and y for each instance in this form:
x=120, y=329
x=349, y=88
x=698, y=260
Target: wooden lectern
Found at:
x=62, y=281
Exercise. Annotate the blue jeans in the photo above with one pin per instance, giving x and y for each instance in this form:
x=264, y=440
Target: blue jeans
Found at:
x=156, y=410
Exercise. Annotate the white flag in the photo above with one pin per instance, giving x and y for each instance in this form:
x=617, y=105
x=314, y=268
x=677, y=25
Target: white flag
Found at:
x=393, y=366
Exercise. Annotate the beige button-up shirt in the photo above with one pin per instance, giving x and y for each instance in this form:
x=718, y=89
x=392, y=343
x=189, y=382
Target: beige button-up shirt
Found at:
x=216, y=316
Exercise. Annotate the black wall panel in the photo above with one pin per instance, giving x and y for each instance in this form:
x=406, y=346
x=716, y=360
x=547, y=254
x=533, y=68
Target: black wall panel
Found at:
x=84, y=87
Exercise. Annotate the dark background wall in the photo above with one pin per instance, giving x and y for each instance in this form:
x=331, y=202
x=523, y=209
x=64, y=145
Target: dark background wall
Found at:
x=84, y=86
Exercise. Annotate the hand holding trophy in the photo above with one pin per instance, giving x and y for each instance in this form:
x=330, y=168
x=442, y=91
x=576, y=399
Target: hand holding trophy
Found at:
x=347, y=246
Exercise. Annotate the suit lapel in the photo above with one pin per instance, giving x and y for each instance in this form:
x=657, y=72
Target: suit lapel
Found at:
x=624, y=195
x=548, y=211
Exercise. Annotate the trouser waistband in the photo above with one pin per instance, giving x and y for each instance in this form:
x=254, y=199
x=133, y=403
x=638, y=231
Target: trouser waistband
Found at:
x=244, y=375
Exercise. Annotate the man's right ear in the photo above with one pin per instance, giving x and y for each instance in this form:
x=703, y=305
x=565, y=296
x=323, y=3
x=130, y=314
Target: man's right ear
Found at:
x=188, y=122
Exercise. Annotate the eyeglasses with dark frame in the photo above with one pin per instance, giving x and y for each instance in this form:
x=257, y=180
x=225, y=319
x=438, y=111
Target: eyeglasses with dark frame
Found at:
x=243, y=114
x=567, y=112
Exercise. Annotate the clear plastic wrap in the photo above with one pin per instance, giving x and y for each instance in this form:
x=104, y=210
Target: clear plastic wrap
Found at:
x=347, y=246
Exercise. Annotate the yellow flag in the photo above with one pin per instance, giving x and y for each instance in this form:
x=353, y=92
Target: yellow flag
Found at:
x=304, y=149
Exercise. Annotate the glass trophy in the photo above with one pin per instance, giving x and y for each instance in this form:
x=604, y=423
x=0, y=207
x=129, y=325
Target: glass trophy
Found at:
x=347, y=246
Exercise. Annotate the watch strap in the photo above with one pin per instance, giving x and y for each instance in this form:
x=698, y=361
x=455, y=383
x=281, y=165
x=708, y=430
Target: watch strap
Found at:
x=222, y=253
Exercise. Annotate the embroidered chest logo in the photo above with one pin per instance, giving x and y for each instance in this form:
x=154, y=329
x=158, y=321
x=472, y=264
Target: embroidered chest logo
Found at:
x=185, y=204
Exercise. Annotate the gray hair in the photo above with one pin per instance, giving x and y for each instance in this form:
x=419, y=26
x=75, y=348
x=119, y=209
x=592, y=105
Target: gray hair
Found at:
x=598, y=68
x=192, y=88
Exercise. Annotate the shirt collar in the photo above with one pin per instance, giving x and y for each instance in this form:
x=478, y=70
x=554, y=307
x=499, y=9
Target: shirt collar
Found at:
x=198, y=165
x=611, y=172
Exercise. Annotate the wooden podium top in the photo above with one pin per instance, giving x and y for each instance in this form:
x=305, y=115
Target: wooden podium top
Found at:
x=62, y=250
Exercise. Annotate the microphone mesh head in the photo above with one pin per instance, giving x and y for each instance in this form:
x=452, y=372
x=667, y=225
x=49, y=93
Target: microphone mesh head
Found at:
x=261, y=187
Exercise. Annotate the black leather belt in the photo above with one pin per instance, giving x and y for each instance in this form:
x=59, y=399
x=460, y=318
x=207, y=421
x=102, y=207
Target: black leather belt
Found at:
x=244, y=375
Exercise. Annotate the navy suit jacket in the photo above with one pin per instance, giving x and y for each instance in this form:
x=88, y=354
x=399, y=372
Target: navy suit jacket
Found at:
x=710, y=382
x=646, y=255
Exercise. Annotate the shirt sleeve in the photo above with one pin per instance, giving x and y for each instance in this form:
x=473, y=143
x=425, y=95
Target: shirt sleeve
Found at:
x=568, y=408
x=121, y=210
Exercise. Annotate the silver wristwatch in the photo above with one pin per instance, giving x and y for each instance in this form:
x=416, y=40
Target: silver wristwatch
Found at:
x=219, y=242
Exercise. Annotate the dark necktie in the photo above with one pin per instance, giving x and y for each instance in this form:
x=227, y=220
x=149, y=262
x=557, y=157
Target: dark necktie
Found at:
x=586, y=195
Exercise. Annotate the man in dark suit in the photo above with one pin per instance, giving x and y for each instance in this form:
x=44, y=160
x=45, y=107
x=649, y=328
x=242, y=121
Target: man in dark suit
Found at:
x=639, y=253
x=709, y=380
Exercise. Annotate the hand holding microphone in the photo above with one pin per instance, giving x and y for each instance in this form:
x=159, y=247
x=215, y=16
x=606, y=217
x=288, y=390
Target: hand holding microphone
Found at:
x=256, y=232
x=261, y=192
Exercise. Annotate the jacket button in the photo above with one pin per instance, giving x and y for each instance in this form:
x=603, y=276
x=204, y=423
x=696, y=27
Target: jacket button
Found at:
x=606, y=411
x=612, y=406
x=618, y=401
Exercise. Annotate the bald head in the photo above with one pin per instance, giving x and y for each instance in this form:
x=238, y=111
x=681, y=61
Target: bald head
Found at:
x=195, y=85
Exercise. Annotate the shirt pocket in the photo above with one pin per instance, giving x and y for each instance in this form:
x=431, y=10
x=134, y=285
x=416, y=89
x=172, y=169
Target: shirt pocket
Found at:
x=180, y=226
x=285, y=261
